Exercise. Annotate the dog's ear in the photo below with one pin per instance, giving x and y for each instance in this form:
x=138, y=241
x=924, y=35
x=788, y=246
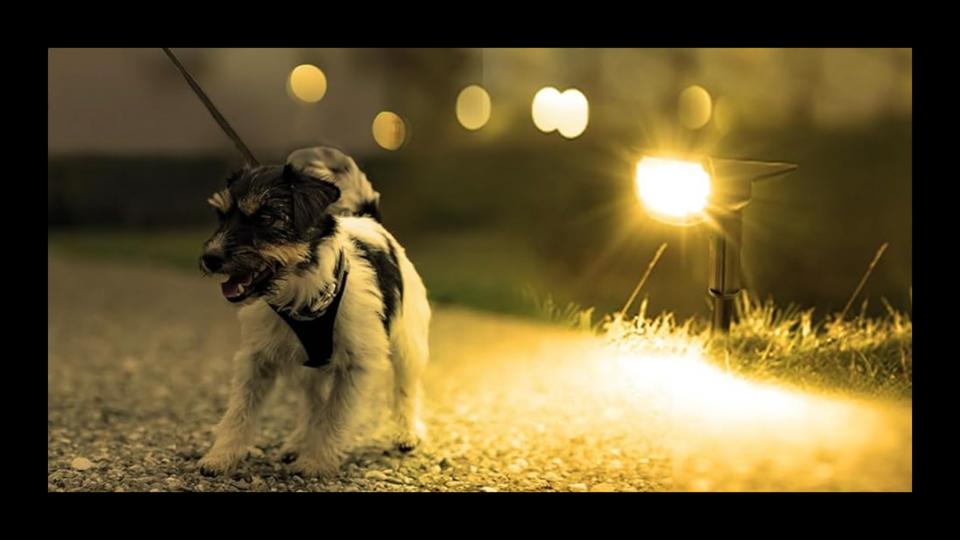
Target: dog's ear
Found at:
x=311, y=197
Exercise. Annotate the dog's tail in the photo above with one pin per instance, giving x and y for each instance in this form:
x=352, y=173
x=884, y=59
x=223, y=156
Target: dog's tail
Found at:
x=328, y=164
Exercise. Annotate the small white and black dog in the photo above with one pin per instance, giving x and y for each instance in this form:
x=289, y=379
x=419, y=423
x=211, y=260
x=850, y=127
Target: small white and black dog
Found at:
x=328, y=296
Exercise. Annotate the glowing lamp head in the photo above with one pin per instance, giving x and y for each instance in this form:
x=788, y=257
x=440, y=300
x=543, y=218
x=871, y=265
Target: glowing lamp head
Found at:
x=673, y=191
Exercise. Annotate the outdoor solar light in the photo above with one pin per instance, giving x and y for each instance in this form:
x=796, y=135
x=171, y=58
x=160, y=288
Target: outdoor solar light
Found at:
x=687, y=191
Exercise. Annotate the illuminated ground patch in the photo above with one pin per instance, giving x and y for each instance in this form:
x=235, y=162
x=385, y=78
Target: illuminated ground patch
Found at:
x=511, y=405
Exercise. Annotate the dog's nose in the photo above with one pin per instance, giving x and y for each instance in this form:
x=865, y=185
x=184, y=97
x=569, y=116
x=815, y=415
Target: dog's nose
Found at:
x=212, y=262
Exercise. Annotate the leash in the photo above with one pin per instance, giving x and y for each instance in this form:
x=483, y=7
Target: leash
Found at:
x=314, y=327
x=221, y=121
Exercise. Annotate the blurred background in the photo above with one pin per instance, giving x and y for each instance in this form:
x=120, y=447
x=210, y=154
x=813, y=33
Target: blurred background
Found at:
x=495, y=212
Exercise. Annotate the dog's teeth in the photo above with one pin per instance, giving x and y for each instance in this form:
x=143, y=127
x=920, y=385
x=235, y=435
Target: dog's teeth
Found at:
x=239, y=289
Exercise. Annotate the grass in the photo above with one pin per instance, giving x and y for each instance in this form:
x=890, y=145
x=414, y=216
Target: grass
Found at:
x=864, y=355
x=868, y=356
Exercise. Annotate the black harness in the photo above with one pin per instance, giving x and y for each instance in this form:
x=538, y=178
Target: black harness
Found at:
x=313, y=324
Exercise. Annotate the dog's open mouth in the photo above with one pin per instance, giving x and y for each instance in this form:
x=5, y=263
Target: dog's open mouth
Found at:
x=240, y=286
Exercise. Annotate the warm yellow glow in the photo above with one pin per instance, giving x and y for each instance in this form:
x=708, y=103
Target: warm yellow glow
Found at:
x=389, y=130
x=672, y=190
x=650, y=402
x=473, y=107
x=697, y=388
x=724, y=432
x=567, y=112
x=695, y=107
x=574, y=113
x=544, y=105
x=308, y=83
x=724, y=115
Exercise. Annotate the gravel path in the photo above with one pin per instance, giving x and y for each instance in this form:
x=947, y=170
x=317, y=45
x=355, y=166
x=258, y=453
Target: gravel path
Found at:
x=138, y=365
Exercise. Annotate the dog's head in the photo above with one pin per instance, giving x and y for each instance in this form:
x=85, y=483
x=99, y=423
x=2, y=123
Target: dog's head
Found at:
x=269, y=217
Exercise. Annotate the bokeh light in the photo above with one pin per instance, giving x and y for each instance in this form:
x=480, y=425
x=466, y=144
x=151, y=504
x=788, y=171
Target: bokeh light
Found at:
x=567, y=113
x=473, y=107
x=574, y=113
x=389, y=130
x=307, y=83
x=672, y=190
x=544, y=104
x=694, y=107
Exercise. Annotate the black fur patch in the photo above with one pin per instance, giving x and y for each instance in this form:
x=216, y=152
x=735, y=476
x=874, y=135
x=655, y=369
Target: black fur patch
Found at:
x=370, y=208
x=387, y=267
x=328, y=229
x=310, y=198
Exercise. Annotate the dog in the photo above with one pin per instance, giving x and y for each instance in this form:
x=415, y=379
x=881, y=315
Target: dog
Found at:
x=320, y=283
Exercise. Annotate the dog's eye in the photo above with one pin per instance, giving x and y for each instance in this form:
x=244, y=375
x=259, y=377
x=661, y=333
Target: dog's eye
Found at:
x=266, y=220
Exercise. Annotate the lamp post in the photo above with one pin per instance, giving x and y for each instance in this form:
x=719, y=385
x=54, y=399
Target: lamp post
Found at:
x=688, y=191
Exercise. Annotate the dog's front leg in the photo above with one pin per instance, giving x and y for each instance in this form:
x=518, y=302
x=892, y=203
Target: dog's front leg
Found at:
x=254, y=375
x=294, y=442
x=331, y=427
x=313, y=389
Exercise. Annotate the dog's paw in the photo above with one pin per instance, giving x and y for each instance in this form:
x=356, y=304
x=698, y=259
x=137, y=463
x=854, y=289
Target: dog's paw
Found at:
x=323, y=464
x=323, y=469
x=406, y=440
x=217, y=463
x=290, y=450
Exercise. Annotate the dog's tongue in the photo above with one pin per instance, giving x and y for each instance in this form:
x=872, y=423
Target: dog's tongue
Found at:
x=234, y=286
